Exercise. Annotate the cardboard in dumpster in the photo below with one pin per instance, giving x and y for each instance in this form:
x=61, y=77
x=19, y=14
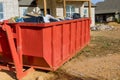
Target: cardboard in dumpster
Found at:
x=15, y=19
x=11, y=20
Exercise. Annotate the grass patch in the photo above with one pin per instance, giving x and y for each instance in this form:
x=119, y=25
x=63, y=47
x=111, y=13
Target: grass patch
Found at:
x=100, y=46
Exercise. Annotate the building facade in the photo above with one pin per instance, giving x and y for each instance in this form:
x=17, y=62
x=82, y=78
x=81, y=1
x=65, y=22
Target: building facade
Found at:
x=8, y=9
x=108, y=10
x=11, y=8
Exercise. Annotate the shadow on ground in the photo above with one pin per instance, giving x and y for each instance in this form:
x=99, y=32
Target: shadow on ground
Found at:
x=62, y=75
x=10, y=73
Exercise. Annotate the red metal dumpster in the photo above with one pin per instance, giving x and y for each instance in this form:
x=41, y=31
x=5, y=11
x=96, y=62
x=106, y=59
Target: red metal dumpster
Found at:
x=46, y=46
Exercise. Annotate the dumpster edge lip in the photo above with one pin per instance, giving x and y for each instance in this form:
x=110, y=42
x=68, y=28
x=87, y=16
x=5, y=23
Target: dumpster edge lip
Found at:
x=29, y=24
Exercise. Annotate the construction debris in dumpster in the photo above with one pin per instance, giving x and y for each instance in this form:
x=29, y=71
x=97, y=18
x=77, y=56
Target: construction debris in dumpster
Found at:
x=35, y=18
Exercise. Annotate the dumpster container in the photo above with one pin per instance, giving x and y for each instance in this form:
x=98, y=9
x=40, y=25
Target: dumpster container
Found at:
x=42, y=45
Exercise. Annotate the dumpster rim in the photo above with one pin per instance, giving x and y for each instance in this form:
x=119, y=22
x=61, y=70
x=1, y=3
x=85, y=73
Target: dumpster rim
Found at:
x=42, y=25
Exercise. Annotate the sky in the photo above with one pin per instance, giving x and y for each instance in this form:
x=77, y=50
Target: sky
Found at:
x=95, y=1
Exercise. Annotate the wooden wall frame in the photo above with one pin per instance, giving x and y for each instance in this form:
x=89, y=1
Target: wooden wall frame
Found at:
x=64, y=6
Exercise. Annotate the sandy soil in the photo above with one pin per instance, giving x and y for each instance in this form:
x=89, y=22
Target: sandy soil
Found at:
x=100, y=60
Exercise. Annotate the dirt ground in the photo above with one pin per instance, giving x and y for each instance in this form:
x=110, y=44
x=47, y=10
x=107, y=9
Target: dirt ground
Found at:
x=100, y=60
